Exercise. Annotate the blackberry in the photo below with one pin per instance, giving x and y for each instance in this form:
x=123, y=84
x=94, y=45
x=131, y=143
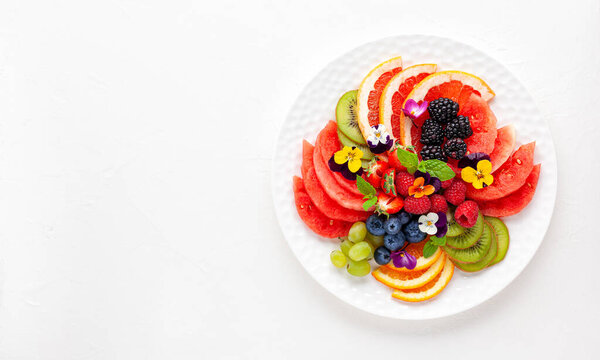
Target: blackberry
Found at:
x=430, y=152
x=459, y=128
x=432, y=133
x=442, y=110
x=455, y=148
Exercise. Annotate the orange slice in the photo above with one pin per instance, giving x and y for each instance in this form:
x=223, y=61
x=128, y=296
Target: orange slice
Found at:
x=416, y=250
x=455, y=85
x=430, y=289
x=409, y=279
x=369, y=92
x=396, y=91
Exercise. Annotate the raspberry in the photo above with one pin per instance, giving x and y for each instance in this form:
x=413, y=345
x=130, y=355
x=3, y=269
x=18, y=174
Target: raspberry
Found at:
x=443, y=110
x=403, y=181
x=438, y=203
x=456, y=193
x=466, y=214
x=446, y=184
x=413, y=205
x=432, y=133
x=459, y=128
x=455, y=148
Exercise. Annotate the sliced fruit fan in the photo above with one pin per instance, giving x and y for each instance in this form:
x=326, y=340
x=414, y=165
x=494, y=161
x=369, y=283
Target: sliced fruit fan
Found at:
x=414, y=176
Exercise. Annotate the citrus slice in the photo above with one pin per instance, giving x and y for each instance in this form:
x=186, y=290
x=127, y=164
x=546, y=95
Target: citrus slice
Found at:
x=430, y=289
x=455, y=85
x=396, y=91
x=409, y=279
x=370, y=91
x=416, y=250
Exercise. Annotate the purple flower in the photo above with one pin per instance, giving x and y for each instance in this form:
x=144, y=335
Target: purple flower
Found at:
x=404, y=259
x=413, y=110
x=429, y=180
x=379, y=141
x=343, y=169
x=472, y=160
x=441, y=225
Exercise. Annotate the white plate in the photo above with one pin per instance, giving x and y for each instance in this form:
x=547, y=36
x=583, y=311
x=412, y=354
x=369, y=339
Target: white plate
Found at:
x=316, y=105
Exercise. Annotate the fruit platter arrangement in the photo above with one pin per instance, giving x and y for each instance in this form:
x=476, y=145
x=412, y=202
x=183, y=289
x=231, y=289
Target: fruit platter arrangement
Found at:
x=414, y=179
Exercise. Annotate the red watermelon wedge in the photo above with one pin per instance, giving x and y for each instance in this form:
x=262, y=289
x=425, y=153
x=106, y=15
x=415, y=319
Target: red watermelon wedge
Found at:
x=503, y=146
x=314, y=189
x=483, y=122
x=509, y=177
x=515, y=202
x=314, y=218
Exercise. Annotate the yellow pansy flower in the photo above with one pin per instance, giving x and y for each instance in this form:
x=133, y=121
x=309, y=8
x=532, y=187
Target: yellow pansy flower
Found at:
x=481, y=177
x=351, y=155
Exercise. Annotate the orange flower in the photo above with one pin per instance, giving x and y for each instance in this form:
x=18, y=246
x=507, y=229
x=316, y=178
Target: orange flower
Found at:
x=419, y=189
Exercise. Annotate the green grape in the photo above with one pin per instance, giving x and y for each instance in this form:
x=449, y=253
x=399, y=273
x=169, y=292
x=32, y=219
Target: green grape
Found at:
x=359, y=251
x=345, y=246
x=338, y=259
x=375, y=240
x=358, y=268
x=357, y=232
x=372, y=250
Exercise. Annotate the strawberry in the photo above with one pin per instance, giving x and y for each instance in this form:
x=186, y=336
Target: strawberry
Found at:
x=388, y=186
x=394, y=161
x=389, y=204
x=375, y=172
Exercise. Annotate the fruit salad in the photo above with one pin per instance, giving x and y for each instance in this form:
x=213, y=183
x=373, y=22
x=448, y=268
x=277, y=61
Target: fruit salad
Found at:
x=413, y=179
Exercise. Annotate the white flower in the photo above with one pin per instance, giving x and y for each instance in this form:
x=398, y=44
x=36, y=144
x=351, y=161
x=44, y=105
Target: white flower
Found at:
x=427, y=223
x=378, y=134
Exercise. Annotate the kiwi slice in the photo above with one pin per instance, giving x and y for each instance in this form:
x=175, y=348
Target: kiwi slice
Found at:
x=488, y=258
x=500, y=232
x=468, y=237
x=475, y=253
x=347, y=119
x=346, y=141
x=453, y=228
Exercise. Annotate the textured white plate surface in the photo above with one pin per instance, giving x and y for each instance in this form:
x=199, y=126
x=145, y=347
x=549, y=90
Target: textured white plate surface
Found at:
x=316, y=105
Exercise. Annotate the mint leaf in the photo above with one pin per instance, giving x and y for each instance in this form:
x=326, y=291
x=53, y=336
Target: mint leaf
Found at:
x=429, y=249
x=369, y=203
x=364, y=187
x=408, y=159
x=437, y=168
x=438, y=241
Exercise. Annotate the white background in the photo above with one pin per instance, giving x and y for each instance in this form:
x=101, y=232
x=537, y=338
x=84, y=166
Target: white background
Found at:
x=136, y=219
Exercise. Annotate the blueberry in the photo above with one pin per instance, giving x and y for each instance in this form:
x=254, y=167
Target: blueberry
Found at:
x=404, y=217
x=382, y=255
x=394, y=242
x=375, y=225
x=392, y=225
x=412, y=232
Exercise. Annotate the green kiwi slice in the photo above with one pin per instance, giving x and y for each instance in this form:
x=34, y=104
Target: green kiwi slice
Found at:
x=367, y=154
x=347, y=119
x=475, y=253
x=453, y=228
x=502, y=237
x=468, y=238
x=488, y=258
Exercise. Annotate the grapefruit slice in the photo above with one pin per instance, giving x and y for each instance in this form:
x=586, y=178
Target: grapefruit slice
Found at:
x=515, y=202
x=503, y=146
x=408, y=279
x=430, y=289
x=509, y=177
x=456, y=85
x=328, y=143
x=313, y=217
x=319, y=197
x=416, y=250
x=396, y=91
x=370, y=91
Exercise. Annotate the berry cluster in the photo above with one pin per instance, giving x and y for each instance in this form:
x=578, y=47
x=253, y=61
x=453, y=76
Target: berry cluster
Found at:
x=444, y=112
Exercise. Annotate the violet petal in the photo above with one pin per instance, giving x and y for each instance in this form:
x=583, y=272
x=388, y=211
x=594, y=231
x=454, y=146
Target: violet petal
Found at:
x=411, y=261
x=335, y=166
x=472, y=160
x=441, y=225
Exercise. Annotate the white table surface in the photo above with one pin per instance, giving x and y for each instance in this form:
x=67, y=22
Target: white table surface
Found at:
x=135, y=152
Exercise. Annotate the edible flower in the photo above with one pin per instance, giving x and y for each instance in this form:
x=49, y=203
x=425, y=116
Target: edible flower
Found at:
x=472, y=159
x=481, y=177
x=379, y=141
x=429, y=180
x=347, y=161
x=419, y=189
x=434, y=224
x=403, y=259
x=413, y=110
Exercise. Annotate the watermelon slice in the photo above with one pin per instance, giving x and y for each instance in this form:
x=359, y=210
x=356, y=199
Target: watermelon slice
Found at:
x=314, y=189
x=515, y=202
x=328, y=143
x=509, y=177
x=503, y=146
x=313, y=217
x=483, y=123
